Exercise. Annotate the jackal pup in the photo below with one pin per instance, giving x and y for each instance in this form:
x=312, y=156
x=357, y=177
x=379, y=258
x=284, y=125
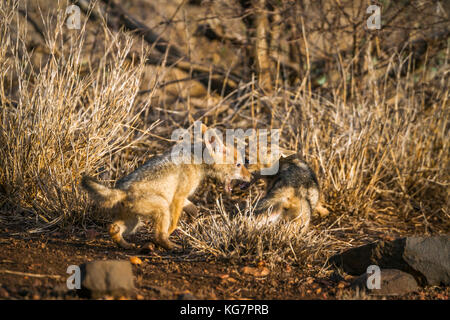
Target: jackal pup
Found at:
x=159, y=190
x=292, y=194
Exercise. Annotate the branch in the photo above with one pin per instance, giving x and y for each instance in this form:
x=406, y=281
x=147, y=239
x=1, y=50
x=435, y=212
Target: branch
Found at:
x=170, y=53
x=34, y=275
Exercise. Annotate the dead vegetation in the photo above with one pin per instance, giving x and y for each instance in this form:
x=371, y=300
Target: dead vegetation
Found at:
x=241, y=237
x=368, y=109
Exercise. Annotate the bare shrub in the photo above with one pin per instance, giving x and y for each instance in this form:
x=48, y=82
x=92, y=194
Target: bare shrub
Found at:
x=64, y=120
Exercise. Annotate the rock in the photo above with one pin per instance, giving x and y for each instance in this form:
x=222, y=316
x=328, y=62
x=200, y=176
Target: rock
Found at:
x=59, y=290
x=24, y=292
x=186, y=296
x=431, y=257
x=4, y=294
x=160, y=290
x=426, y=258
x=111, y=277
x=392, y=282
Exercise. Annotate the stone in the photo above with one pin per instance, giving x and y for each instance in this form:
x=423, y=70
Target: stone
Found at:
x=4, y=294
x=392, y=282
x=186, y=296
x=429, y=256
x=425, y=258
x=59, y=290
x=110, y=277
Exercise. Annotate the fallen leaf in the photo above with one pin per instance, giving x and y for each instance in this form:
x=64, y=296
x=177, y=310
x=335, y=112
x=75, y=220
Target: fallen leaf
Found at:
x=257, y=272
x=135, y=260
x=140, y=297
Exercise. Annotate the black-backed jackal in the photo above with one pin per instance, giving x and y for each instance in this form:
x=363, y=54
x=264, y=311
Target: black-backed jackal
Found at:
x=292, y=193
x=159, y=190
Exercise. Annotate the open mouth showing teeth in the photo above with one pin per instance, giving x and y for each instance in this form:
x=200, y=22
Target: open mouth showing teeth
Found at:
x=228, y=187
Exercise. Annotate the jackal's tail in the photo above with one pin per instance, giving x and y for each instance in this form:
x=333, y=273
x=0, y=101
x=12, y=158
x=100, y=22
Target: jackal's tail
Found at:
x=104, y=196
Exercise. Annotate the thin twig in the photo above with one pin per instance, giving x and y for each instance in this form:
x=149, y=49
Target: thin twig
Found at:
x=34, y=275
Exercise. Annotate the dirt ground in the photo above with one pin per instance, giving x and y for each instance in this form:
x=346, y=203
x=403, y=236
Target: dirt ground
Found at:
x=372, y=125
x=34, y=267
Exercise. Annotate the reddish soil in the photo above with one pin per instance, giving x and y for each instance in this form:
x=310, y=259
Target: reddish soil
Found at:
x=28, y=262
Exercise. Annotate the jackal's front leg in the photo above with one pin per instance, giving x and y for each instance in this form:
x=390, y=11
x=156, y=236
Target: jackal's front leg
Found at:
x=162, y=225
x=175, y=212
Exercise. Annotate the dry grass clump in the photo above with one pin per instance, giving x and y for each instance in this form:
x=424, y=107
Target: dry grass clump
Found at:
x=63, y=119
x=240, y=237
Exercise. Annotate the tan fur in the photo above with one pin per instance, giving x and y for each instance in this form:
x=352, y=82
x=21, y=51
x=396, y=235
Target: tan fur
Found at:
x=159, y=190
x=292, y=193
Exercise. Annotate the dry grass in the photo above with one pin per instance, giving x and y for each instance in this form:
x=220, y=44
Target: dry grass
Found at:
x=62, y=120
x=378, y=141
x=241, y=237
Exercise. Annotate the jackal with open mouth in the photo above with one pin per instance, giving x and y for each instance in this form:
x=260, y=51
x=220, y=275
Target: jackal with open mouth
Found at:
x=160, y=188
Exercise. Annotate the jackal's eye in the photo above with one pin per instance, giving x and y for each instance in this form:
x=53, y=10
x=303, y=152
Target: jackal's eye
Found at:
x=238, y=165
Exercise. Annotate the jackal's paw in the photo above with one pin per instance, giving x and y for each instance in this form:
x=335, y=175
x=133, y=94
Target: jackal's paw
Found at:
x=114, y=229
x=147, y=248
x=124, y=244
x=127, y=245
x=169, y=245
x=322, y=211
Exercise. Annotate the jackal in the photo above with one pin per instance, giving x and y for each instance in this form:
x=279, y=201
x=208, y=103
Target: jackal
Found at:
x=159, y=190
x=292, y=193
